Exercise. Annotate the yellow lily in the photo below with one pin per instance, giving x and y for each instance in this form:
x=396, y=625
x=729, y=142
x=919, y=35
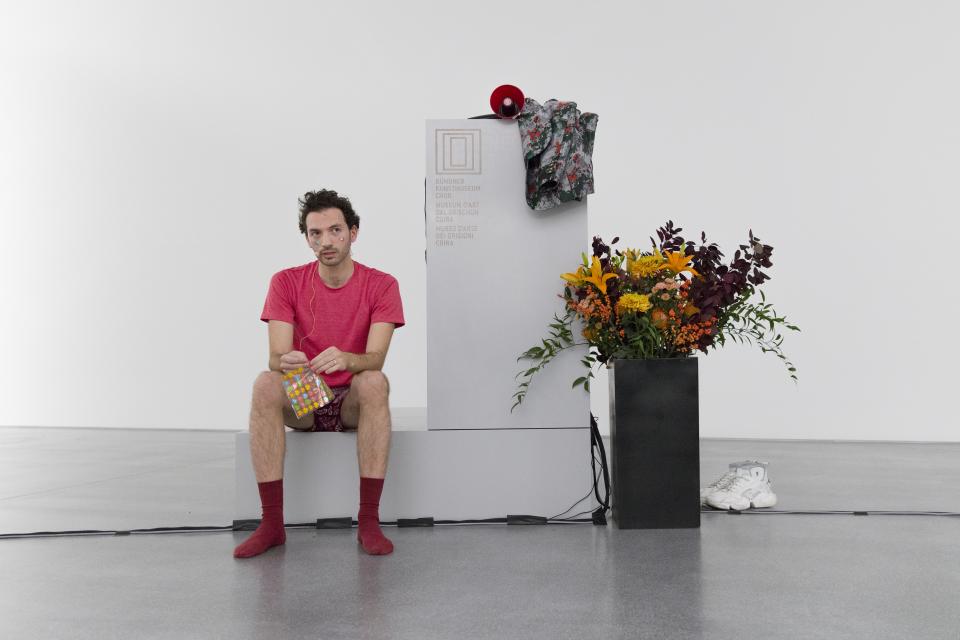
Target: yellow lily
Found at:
x=597, y=277
x=594, y=276
x=678, y=262
x=576, y=279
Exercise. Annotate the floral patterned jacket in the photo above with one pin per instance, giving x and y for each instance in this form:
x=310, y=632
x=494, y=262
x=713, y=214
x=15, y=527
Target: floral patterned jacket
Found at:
x=557, y=150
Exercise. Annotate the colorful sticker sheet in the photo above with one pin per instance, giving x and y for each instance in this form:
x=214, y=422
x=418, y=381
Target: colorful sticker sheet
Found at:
x=306, y=390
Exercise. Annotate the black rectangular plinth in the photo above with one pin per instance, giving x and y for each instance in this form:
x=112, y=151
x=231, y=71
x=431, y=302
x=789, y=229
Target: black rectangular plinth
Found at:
x=655, y=442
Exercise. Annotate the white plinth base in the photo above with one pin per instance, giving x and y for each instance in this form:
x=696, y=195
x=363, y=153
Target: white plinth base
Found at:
x=447, y=475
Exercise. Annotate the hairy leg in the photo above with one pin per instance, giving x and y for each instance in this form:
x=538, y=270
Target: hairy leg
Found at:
x=366, y=408
x=269, y=411
x=267, y=446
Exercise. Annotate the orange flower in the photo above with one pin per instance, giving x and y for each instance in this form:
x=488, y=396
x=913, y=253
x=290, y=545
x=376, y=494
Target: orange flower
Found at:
x=659, y=318
x=678, y=262
x=595, y=276
x=687, y=337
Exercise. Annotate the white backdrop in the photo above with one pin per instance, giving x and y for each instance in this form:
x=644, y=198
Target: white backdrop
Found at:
x=151, y=156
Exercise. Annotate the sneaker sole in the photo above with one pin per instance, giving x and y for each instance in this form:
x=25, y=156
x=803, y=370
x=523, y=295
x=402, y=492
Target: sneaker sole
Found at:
x=764, y=501
x=759, y=502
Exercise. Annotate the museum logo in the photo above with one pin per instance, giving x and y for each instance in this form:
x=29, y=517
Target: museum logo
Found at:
x=458, y=151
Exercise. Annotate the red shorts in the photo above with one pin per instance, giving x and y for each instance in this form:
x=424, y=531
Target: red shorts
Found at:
x=327, y=417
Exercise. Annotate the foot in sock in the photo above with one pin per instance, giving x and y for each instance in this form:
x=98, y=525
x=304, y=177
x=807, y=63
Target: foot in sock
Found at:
x=371, y=538
x=270, y=533
x=369, y=535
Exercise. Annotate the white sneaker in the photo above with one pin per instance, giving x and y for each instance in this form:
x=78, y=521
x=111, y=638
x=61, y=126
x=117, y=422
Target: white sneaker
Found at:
x=749, y=488
x=723, y=481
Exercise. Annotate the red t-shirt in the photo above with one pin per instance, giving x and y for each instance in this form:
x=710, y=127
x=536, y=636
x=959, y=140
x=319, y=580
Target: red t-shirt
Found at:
x=324, y=317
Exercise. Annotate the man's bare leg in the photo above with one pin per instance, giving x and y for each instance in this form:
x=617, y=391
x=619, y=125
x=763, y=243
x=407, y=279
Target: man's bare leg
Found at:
x=267, y=448
x=269, y=411
x=367, y=407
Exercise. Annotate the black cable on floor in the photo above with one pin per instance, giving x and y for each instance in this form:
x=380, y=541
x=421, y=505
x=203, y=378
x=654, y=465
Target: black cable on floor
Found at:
x=593, y=489
x=102, y=532
x=231, y=528
x=571, y=520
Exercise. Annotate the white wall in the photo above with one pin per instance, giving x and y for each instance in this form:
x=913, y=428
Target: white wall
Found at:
x=152, y=155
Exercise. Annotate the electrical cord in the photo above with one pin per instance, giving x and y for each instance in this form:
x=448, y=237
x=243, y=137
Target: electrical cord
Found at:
x=558, y=517
x=231, y=528
x=574, y=517
x=563, y=513
x=101, y=532
x=597, y=448
x=570, y=520
x=598, y=456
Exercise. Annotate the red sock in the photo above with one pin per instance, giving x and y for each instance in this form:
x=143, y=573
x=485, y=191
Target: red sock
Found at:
x=369, y=534
x=270, y=533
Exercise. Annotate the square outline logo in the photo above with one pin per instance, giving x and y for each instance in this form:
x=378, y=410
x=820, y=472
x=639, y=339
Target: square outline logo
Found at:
x=458, y=152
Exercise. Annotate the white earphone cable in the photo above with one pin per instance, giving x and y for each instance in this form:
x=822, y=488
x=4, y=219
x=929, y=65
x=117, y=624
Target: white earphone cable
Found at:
x=313, y=313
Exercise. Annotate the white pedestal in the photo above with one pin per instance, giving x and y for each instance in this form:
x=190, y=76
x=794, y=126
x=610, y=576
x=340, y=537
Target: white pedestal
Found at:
x=493, y=275
x=447, y=475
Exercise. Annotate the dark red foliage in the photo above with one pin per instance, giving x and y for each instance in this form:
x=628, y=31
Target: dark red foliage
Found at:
x=719, y=285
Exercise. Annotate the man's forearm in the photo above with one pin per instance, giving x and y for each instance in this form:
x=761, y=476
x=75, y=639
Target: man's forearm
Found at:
x=274, y=364
x=372, y=361
x=355, y=362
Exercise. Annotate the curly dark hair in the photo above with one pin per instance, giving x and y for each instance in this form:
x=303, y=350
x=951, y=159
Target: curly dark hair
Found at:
x=326, y=199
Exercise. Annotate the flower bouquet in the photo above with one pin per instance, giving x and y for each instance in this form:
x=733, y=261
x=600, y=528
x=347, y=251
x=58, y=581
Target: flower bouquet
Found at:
x=668, y=302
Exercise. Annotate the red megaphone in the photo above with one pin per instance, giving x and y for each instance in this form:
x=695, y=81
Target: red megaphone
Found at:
x=506, y=101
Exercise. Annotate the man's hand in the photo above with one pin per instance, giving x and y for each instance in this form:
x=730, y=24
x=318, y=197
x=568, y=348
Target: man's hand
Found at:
x=293, y=360
x=331, y=360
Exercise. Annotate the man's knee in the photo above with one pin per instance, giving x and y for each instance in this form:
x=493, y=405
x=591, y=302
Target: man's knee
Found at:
x=268, y=388
x=370, y=386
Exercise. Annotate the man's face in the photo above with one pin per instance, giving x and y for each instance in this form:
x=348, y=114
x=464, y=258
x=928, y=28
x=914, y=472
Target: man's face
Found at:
x=329, y=237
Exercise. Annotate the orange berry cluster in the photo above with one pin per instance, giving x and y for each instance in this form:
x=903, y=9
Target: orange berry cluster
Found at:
x=688, y=336
x=592, y=308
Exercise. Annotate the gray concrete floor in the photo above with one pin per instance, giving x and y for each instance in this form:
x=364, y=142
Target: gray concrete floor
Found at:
x=753, y=575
